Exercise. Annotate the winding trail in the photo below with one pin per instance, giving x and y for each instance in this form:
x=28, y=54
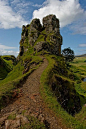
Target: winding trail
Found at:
x=32, y=102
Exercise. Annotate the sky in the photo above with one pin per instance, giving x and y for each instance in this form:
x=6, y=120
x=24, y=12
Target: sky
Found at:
x=15, y=13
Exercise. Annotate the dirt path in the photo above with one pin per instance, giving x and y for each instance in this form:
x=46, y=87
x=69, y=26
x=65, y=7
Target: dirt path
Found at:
x=31, y=102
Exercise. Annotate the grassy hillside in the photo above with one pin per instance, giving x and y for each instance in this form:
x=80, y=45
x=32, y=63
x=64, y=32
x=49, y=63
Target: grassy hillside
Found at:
x=79, y=69
x=6, y=65
x=84, y=55
x=61, y=87
x=24, y=67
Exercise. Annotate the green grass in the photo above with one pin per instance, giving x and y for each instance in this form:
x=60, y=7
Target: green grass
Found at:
x=80, y=90
x=83, y=85
x=79, y=62
x=81, y=116
x=3, y=73
x=15, y=73
x=52, y=102
x=40, y=38
x=11, y=117
x=79, y=71
x=10, y=59
x=7, y=63
x=5, y=67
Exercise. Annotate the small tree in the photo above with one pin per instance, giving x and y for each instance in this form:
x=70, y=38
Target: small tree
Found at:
x=68, y=54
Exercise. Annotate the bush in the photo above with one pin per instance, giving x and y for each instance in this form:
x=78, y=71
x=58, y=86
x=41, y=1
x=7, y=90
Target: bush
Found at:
x=68, y=54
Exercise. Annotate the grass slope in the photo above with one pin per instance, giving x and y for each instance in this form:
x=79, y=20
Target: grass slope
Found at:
x=16, y=76
x=50, y=99
x=5, y=66
x=79, y=69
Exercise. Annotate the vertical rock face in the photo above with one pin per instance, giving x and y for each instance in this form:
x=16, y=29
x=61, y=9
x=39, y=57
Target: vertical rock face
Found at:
x=30, y=33
x=51, y=23
x=35, y=29
x=46, y=37
x=35, y=25
x=51, y=26
x=23, y=38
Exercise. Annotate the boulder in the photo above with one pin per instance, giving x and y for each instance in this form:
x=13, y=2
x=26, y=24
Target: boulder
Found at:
x=12, y=124
x=15, y=124
x=23, y=119
x=41, y=45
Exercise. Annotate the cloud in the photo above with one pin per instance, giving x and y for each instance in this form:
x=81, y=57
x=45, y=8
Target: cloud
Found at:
x=79, y=27
x=15, y=1
x=20, y=7
x=8, y=17
x=6, y=47
x=67, y=11
x=7, y=50
x=36, y=5
x=82, y=50
x=82, y=45
x=15, y=13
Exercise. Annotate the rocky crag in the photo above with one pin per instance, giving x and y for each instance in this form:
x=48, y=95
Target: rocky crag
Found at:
x=46, y=37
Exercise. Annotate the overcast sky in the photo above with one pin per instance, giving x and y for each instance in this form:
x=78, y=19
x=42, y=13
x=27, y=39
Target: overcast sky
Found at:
x=15, y=13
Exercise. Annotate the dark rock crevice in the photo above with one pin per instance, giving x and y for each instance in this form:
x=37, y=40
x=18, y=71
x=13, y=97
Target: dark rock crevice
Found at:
x=66, y=94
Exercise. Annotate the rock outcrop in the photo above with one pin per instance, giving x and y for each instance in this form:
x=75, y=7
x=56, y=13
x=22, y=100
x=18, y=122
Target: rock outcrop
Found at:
x=46, y=37
x=51, y=23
